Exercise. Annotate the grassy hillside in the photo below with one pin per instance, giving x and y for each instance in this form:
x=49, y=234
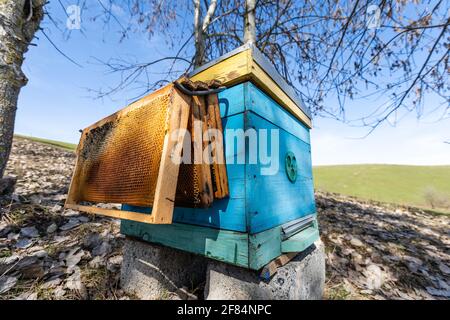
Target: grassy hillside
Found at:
x=408, y=185
x=64, y=145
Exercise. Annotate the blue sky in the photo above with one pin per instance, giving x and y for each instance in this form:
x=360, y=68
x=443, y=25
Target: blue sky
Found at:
x=56, y=103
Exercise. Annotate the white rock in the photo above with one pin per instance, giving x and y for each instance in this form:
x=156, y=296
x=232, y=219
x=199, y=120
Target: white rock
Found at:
x=356, y=242
x=116, y=259
x=114, y=263
x=347, y=251
x=56, y=208
x=13, y=236
x=36, y=200
x=29, y=232
x=60, y=239
x=59, y=292
x=74, y=281
x=70, y=213
x=7, y=283
x=413, y=259
x=70, y=225
x=444, y=268
x=59, y=197
x=24, y=296
x=102, y=249
x=33, y=296
x=4, y=228
x=74, y=257
x=374, y=277
x=53, y=283
x=24, y=243
x=52, y=228
x=83, y=219
x=40, y=254
x=438, y=293
x=97, y=262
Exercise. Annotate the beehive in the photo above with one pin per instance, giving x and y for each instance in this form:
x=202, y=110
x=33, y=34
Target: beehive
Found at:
x=264, y=216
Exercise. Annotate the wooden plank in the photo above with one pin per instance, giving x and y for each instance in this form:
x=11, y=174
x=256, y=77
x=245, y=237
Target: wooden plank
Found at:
x=242, y=67
x=118, y=214
x=287, y=200
x=166, y=184
x=74, y=187
x=205, y=180
x=230, y=71
x=219, y=167
x=301, y=240
x=264, y=81
x=263, y=105
x=271, y=268
x=137, y=104
x=212, y=152
x=222, y=245
x=263, y=247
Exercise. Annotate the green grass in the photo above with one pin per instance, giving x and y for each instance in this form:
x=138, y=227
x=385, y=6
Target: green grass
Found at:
x=398, y=184
x=63, y=145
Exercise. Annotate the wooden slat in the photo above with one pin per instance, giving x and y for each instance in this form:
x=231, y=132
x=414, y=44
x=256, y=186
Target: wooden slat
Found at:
x=118, y=214
x=242, y=67
x=74, y=187
x=205, y=179
x=137, y=104
x=231, y=71
x=264, y=247
x=271, y=268
x=267, y=108
x=301, y=240
x=166, y=184
x=263, y=80
x=219, y=167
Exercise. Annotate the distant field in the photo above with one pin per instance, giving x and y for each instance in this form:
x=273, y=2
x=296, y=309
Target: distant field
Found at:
x=407, y=185
x=64, y=145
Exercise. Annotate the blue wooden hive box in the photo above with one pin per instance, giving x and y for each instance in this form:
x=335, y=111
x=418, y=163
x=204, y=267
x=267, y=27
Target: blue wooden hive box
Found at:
x=265, y=215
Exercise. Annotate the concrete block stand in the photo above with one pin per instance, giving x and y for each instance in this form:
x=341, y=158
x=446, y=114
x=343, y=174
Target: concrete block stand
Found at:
x=150, y=271
x=303, y=278
x=153, y=272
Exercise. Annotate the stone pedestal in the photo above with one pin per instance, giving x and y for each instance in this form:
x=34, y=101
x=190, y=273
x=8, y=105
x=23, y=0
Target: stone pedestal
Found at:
x=303, y=278
x=152, y=272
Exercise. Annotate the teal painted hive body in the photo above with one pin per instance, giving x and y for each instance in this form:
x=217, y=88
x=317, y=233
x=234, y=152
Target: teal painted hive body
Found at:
x=265, y=215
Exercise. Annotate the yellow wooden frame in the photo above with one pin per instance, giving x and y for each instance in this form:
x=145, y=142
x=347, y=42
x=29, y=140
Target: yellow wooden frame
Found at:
x=243, y=67
x=163, y=205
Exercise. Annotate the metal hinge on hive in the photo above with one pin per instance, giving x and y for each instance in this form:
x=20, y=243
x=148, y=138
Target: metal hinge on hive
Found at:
x=126, y=158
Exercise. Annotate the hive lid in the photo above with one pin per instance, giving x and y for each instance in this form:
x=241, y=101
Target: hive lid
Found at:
x=247, y=63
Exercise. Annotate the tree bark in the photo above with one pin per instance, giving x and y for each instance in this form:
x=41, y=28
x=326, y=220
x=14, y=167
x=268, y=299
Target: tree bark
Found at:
x=249, y=22
x=200, y=30
x=19, y=21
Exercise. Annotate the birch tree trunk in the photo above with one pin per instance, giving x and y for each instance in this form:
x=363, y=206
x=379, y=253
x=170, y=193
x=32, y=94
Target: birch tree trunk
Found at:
x=200, y=30
x=199, y=39
x=249, y=22
x=19, y=21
